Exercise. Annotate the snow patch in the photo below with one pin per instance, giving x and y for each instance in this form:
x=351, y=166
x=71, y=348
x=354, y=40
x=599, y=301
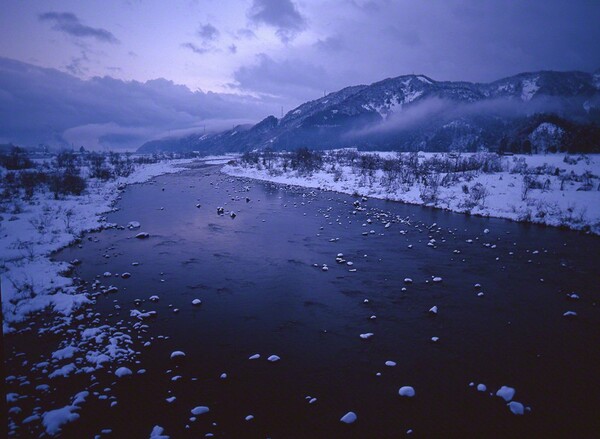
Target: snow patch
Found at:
x=528, y=89
x=506, y=393
x=200, y=410
x=407, y=391
x=349, y=418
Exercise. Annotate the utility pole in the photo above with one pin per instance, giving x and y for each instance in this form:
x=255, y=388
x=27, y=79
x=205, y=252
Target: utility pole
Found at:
x=282, y=111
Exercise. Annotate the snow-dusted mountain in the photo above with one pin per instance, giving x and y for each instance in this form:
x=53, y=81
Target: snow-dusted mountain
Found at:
x=540, y=111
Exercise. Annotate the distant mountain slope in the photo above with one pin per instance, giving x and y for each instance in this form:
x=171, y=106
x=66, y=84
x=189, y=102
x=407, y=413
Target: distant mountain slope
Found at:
x=539, y=111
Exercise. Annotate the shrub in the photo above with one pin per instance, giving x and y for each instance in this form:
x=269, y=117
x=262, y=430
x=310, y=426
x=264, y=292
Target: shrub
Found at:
x=250, y=157
x=30, y=180
x=306, y=160
x=98, y=169
x=16, y=159
x=430, y=188
x=66, y=183
x=73, y=184
x=478, y=194
x=529, y=182
x=122, y=167
x=569, y=160
x=519, y=165
x=66, y=159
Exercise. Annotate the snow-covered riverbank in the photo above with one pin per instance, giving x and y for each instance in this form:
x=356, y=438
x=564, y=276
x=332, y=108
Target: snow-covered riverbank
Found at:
x=33, y=230
x=547, y=189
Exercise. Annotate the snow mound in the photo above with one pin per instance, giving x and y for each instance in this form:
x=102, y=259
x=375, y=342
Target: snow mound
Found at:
x=157, y=433
x=348, y=418
x=506, y=393
x=516, y=408
x=406, y=391
x=177, y=354
x=54, y=420
x=200, y=410
x=123, y=371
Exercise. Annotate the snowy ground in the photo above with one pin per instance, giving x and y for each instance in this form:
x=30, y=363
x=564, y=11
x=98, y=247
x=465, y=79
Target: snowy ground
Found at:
x=575, y=205
x=219, y=159
x=30, y=281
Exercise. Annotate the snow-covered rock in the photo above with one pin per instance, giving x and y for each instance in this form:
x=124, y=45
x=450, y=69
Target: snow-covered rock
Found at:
x=506, y=393
x=122, y=372
x=407, y=391
x=175, y=355
x=349, y=418
x=200, y=410
x=54, y=420
x=516, y=408
x=158, y=433
x=133, y=225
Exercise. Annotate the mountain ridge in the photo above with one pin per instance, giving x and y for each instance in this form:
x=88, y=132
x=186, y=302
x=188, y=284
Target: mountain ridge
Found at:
x=416, y=112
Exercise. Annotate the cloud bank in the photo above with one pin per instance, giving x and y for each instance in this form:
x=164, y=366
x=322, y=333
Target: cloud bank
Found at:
x=360, y=41
x=436, y=111
x=46, y=106
x=68, y=23
x=283, y=15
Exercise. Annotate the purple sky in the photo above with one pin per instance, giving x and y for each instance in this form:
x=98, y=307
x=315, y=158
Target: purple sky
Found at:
x=239, y=61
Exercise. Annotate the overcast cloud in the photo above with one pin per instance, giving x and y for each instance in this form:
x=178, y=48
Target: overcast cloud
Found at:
x=47, y=106
x=273, y=52
x=283, y=15
x=69, y=23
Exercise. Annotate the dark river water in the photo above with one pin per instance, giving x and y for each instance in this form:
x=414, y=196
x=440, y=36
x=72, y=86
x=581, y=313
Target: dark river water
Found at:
x=261, y=293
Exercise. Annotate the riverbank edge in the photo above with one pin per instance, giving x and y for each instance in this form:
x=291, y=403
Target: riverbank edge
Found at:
x=239, y=172
x=49, y=280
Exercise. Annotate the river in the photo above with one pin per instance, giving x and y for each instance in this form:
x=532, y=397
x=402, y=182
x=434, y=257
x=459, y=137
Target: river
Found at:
x=262, y=294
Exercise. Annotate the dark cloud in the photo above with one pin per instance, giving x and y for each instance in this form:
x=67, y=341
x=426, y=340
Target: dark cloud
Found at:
x=232, y=48
x=334, y=43
x=404, y=36
x=40, y=105
x=196, y=49
x=295, y=79
x=208, y=33
x=283, y=15
x=368, y=6
x=69, y=23
x=77, y=65
x=245, y=34
x=452, y=39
